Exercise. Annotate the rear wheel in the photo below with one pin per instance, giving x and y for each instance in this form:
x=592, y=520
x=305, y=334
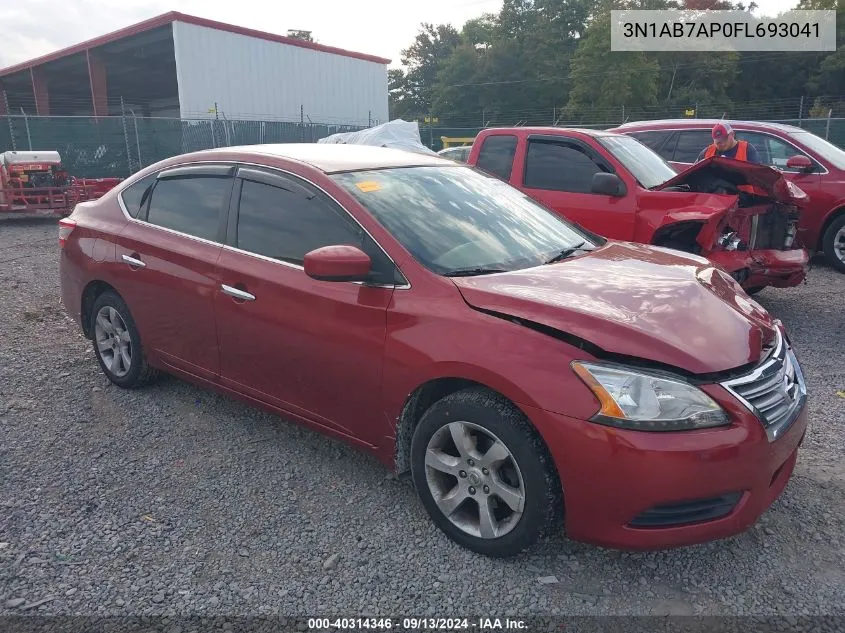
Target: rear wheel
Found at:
x=833, y=243
x=754, y=290
x=117, y=343
x=483, y=474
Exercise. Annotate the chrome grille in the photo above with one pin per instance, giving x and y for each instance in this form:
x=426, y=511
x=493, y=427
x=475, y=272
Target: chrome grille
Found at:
x=775, y=391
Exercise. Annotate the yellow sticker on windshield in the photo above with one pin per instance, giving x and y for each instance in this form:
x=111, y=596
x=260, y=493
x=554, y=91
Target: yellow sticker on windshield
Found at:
x=368, y=185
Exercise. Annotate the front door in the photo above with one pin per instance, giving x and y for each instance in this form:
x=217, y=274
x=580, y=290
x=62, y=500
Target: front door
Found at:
x=559, y=174
x=312, y=348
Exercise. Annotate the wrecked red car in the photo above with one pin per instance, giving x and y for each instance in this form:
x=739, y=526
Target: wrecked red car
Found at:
x=740, y=216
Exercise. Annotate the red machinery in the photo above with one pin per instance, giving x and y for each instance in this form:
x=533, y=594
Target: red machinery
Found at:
x=35, y=183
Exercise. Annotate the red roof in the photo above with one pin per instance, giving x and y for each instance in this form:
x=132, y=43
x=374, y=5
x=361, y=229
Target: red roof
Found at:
x=175, y=16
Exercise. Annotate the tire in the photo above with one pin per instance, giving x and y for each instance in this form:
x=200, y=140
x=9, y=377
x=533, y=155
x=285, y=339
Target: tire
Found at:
x=487, y=418
x=754, y=290
x=833, y=241
x=120, y=331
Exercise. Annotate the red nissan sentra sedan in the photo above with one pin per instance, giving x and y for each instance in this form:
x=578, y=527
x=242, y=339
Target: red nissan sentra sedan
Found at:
x=513, y=363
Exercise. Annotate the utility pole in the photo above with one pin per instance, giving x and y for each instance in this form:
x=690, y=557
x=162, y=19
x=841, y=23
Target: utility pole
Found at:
x=9, y=119
x=26, y=123
x=125, y=134
x=137, y=138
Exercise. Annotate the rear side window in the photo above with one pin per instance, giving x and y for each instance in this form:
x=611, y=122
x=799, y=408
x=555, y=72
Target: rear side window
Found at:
x=191, y=205
x=135, y=196
x=690, y=144
x=496, y=155
x=559, y=167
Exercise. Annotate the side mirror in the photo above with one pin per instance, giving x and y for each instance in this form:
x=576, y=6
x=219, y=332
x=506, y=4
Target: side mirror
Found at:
x=799, y=162
x=337, y=263
x=608, y=185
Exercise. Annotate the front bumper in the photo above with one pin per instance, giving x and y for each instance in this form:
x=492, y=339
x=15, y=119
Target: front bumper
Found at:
x=761, y=268
x=610, y=477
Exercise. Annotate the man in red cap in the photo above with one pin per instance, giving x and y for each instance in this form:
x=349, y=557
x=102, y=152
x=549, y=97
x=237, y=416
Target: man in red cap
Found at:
x=725, y=144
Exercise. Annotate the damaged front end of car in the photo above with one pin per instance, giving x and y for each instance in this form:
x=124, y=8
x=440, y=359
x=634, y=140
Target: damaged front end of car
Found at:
x=752, y=235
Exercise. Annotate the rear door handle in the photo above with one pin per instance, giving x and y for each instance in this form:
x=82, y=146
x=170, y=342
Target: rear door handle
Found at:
x=132, y=261
x=237, y=294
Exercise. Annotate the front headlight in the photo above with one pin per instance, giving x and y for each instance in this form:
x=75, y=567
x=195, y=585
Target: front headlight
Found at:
x=634, y=399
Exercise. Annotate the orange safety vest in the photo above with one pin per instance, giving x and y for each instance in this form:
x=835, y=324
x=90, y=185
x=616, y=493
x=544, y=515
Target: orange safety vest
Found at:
x=741, y=154
x=741, y=151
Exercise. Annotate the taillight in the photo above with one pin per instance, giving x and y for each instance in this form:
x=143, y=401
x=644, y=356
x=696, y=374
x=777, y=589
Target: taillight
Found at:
x=66, y=226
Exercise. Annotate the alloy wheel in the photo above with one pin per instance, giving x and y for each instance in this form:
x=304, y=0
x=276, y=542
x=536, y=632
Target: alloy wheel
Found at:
x=839, y=244
x=474, y=480
x=113, y=341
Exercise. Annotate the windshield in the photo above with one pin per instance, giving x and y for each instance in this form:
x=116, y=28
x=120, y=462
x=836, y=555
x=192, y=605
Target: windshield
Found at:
x=823, y=148
x=458, y=219
x=645, y=164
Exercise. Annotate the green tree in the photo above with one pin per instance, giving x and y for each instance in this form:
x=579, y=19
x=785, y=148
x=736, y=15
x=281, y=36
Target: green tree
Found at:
x=829, y=76
x=423, y=59
x=603, y=81
x=451, y=97
x=400, y=107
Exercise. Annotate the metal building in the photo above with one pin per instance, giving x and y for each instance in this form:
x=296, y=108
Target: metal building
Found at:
x=177, y=65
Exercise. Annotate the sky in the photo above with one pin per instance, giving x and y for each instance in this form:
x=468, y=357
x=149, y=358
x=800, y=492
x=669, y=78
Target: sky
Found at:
x=379, y=27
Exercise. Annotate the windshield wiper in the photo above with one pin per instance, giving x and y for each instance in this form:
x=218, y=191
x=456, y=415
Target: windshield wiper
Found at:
x=472, y=272
x=568, y=252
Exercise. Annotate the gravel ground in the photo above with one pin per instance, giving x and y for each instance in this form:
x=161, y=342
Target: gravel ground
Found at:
x=173, y=500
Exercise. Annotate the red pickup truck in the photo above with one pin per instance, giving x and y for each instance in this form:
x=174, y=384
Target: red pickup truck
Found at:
x=619, y=188
x=811, y=162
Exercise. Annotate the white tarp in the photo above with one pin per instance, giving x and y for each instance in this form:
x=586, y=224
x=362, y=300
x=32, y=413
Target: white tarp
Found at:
x=397, y=134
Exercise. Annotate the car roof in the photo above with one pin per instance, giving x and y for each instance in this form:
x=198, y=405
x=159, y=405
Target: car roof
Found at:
x=332, y=158
x=662, y=123
x=552, y=130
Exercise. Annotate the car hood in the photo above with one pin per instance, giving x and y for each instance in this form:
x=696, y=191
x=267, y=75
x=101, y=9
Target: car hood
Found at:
x=767, y=181
x=635, y=300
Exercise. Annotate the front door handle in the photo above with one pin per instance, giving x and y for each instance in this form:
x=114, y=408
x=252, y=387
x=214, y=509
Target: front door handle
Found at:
x=134, y=262
x=237, y=293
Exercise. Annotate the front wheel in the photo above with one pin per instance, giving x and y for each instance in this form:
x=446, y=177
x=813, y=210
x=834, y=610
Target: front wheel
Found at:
x=483, y=474
x=833, y=243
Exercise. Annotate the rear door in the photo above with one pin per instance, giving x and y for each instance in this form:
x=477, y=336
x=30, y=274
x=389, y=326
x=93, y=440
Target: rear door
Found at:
x=166, y=264
x=312, y=348
x=559, y=172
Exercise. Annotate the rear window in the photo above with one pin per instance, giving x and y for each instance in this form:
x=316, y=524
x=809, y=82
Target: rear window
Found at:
x=496, y=155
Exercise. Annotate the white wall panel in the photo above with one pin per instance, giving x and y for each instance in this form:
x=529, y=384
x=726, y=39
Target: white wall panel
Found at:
x=254, y=78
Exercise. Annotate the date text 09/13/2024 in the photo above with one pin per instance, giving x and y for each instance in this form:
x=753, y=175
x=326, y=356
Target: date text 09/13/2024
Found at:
x=417, y=624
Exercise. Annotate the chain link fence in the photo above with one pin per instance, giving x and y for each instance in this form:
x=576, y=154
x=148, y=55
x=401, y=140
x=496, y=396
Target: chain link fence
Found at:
x=118, y=146
x=831, y=129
